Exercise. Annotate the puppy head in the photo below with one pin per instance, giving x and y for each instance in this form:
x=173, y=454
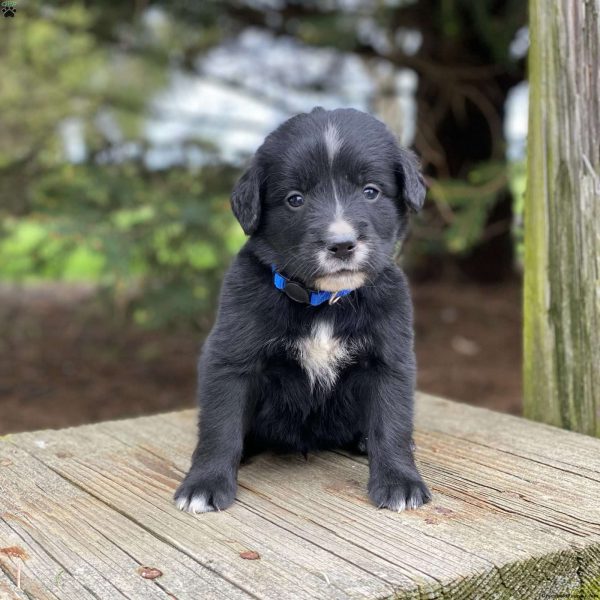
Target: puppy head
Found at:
x=327, y=197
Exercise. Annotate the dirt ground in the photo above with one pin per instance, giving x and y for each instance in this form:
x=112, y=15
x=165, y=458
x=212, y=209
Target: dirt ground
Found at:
x=64, y=361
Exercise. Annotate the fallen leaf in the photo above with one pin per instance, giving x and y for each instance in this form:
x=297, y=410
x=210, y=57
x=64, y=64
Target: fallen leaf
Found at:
x=14, y=551
x=250, y=555
x=443, y=511
x=150, y=572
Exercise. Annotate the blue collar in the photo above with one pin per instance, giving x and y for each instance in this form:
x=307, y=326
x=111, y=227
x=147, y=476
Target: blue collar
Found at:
x=299, y=293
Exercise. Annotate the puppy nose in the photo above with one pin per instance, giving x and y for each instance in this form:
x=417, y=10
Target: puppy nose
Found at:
x=343, y=249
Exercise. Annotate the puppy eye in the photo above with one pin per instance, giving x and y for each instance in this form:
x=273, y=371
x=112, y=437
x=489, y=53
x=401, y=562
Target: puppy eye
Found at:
x=295, y=200
x=371, y=192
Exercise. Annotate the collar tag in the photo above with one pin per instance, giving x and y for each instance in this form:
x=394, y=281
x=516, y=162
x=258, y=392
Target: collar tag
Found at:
x=296, y=292
x=335, y=297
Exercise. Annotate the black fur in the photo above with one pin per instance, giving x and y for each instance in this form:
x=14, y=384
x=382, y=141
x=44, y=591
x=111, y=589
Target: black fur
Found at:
x=254, y=392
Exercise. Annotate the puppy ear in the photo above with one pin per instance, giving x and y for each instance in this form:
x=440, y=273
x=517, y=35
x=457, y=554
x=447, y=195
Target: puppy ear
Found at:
x=245, y=200
x=411, y=182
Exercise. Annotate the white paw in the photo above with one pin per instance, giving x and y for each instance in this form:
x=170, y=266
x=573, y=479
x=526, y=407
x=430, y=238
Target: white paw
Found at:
x=195, y=504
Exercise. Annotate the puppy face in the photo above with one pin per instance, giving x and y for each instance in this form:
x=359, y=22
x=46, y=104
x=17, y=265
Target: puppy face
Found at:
x=327, y=197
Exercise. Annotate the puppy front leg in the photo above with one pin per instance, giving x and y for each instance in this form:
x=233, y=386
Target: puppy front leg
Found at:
x=394, y=481
x=211, y=482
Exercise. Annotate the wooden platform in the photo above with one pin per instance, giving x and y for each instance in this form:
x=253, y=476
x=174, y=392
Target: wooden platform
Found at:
x=516, y=514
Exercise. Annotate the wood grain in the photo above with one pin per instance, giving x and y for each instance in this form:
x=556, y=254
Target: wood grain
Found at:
x=516, y=514
x=562, y=216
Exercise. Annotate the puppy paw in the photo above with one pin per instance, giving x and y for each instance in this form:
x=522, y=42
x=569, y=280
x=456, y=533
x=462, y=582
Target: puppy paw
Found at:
x=357, y=446
x=400, y=492
x=199, y=494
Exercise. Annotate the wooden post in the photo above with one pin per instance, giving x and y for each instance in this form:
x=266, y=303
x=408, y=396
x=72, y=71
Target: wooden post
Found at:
x=562, y=217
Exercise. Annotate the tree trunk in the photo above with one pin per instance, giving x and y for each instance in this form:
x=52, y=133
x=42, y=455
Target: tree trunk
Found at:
x=562, y=217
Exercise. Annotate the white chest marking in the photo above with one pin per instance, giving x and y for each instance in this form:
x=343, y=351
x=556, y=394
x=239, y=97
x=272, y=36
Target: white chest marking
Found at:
x=322, y=355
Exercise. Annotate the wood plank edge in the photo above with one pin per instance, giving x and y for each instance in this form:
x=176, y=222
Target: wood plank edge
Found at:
x=566, y=575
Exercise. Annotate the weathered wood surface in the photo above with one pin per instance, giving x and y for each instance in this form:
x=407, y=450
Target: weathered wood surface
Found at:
x=562, y=216
x=516, y=514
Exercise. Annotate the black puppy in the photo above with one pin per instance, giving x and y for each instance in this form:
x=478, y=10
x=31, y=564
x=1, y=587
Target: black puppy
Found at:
x=313, y=343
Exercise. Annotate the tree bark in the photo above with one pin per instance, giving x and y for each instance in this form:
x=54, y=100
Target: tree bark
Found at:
x=562, y=217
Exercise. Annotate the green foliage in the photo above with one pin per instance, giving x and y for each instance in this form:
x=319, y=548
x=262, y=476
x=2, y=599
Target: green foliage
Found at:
x=492, y=23
x=462, y=209
x=120, y=226
x=158, y=239
x=52, y=67
x=518, y=183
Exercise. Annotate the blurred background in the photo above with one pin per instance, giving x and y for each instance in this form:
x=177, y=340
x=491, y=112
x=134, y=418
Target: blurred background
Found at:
x=123, y=126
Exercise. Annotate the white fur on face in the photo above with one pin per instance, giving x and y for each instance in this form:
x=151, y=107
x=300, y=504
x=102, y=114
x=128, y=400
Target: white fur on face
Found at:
x=341, y=275
x=349, y=280
x=322, y=355
x=342, y=229
x=332, y=141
